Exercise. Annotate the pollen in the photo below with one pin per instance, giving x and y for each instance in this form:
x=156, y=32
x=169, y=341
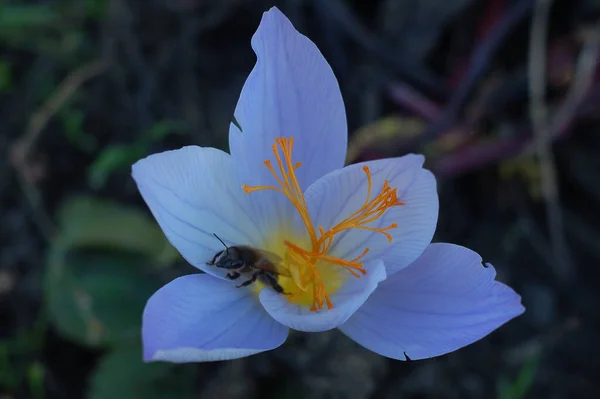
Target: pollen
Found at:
x=306, y=263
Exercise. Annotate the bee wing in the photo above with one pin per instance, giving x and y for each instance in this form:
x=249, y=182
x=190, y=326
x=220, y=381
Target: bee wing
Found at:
x=276, y=263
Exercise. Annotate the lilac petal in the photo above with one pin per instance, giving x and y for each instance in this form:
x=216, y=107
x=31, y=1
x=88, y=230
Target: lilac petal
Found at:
x=291, y=92
x=199, y=318
x=345, y=301
x=193, y=194
x=443, y=301
x=339, y=194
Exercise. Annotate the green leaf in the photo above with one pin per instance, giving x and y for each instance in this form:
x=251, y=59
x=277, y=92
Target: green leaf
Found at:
x=122, y=374
x=98, y=279
x=118, y=157
x=24, y=17
x=96, y=9
x=111, y=159
x=72, y=121
x=37, y=27
x=96, y=298
x=162, y=129
x=87, y=222
x=520, y=387
x=35, y=376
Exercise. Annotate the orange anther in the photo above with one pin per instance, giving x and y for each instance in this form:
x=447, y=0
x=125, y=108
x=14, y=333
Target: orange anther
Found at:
x=371, y=210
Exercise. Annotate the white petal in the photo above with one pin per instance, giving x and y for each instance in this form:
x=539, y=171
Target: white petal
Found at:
x=443, y=301
x=337, y=195
x=345, y=302
x=199, y=318
x=193, y=194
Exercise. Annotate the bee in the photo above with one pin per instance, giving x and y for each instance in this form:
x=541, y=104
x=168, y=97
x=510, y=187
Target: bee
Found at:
x=254, y=263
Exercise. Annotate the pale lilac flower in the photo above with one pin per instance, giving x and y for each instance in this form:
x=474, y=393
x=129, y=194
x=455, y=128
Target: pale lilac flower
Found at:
x=355, y=240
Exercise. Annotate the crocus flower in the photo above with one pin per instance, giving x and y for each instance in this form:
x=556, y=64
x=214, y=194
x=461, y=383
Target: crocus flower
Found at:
x=351, y=245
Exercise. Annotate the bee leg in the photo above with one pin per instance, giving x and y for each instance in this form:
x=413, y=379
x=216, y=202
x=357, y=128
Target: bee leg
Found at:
x=233, y=276
x=247, y=283
x=272, y=282
x=279, y=289
x=212, y=262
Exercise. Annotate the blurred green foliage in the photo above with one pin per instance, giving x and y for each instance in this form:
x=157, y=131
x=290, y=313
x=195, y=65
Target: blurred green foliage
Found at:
x=55, y=28
x=121, y=374
x=101, y=271
x=8, y=376
x=104, y=261
x=95, y=298
x=90, y=223
x=522, y=384
x=119, y=157
x=72, y=119
x=37, y=27
x=5, y=76
x=97, y=278
x=17, y=18
x=15, y=355
x=36, y=380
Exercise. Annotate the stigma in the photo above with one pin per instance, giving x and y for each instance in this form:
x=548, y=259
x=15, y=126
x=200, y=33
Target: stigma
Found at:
x=304, y=262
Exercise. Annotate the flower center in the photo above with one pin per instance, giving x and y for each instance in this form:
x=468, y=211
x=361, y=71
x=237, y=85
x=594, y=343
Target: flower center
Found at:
x=315, y=272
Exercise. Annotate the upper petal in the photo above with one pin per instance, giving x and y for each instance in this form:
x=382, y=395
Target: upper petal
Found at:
x=337, y=195
x=291, y=92
x=443, y=301
x=200, y=318
x=346, y=301
x=193, y=194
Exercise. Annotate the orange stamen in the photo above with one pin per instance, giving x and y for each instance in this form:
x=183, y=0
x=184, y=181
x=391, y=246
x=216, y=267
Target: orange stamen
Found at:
x=371, y=210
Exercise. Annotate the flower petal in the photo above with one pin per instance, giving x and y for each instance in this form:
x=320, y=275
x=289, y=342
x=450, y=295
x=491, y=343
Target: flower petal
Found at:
x=337, y=195
x=443, y=301
x=291, y=92
x=193, y=194
x=199, y=318
x=346, y=301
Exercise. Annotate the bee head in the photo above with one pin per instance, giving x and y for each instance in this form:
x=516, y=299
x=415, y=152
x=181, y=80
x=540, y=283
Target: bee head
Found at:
x=222, y=258
x=228, y=258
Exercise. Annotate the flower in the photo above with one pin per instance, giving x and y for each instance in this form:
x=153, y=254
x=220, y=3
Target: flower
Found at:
x=350, y=247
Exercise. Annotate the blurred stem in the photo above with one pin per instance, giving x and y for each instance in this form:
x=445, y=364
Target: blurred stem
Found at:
x=479, y=65
x=543, y=138
x=582, y=81
x=21, y=150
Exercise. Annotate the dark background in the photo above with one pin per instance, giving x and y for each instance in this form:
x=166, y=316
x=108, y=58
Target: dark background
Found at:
x=89, y=86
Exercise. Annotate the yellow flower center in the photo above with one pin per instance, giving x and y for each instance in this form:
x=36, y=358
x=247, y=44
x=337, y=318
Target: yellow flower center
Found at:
x=314, y=273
